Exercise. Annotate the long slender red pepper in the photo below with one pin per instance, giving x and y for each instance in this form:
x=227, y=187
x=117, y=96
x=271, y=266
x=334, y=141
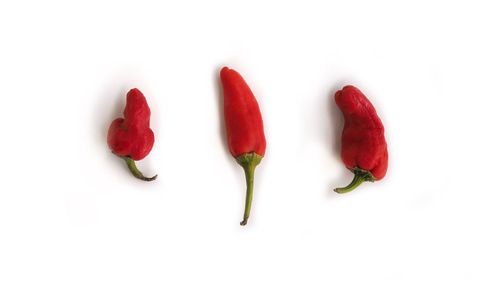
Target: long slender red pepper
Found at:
x=130, y=137
x=244, y=128
x=364, y=149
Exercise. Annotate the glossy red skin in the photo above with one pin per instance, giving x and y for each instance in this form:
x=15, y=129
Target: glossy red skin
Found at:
x=363, y=141
x=244, y=126
x=131, y=136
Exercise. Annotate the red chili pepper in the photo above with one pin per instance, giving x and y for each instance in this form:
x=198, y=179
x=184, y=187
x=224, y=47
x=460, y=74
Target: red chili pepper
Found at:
x=130, y=137
x=364, y=150
x=244, y=128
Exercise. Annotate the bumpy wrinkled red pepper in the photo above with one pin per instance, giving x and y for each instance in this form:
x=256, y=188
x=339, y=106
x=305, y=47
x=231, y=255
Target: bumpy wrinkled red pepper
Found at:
x=364, y=150
x=244, y=128
x=130, y=137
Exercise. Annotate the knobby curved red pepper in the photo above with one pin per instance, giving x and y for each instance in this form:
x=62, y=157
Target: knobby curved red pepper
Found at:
x=244, y=128
x=364, y=150
x=130, y=137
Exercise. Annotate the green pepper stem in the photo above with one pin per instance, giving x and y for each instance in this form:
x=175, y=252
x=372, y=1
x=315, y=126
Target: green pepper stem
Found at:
x=356, y=181
x=135, y=171
x=360, y=176
x=248, y=161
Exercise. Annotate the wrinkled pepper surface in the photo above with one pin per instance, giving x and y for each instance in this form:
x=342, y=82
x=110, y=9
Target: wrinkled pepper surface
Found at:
x=364, y=149
x=130, y=137
x=244, y=128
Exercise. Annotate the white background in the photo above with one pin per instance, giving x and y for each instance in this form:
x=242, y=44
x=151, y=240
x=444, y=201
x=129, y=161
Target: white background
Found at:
x=69, y=209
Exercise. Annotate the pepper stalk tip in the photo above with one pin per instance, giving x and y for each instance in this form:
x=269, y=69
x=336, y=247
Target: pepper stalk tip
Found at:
x=248, y=161
x=135, y=171
x=360, y=176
